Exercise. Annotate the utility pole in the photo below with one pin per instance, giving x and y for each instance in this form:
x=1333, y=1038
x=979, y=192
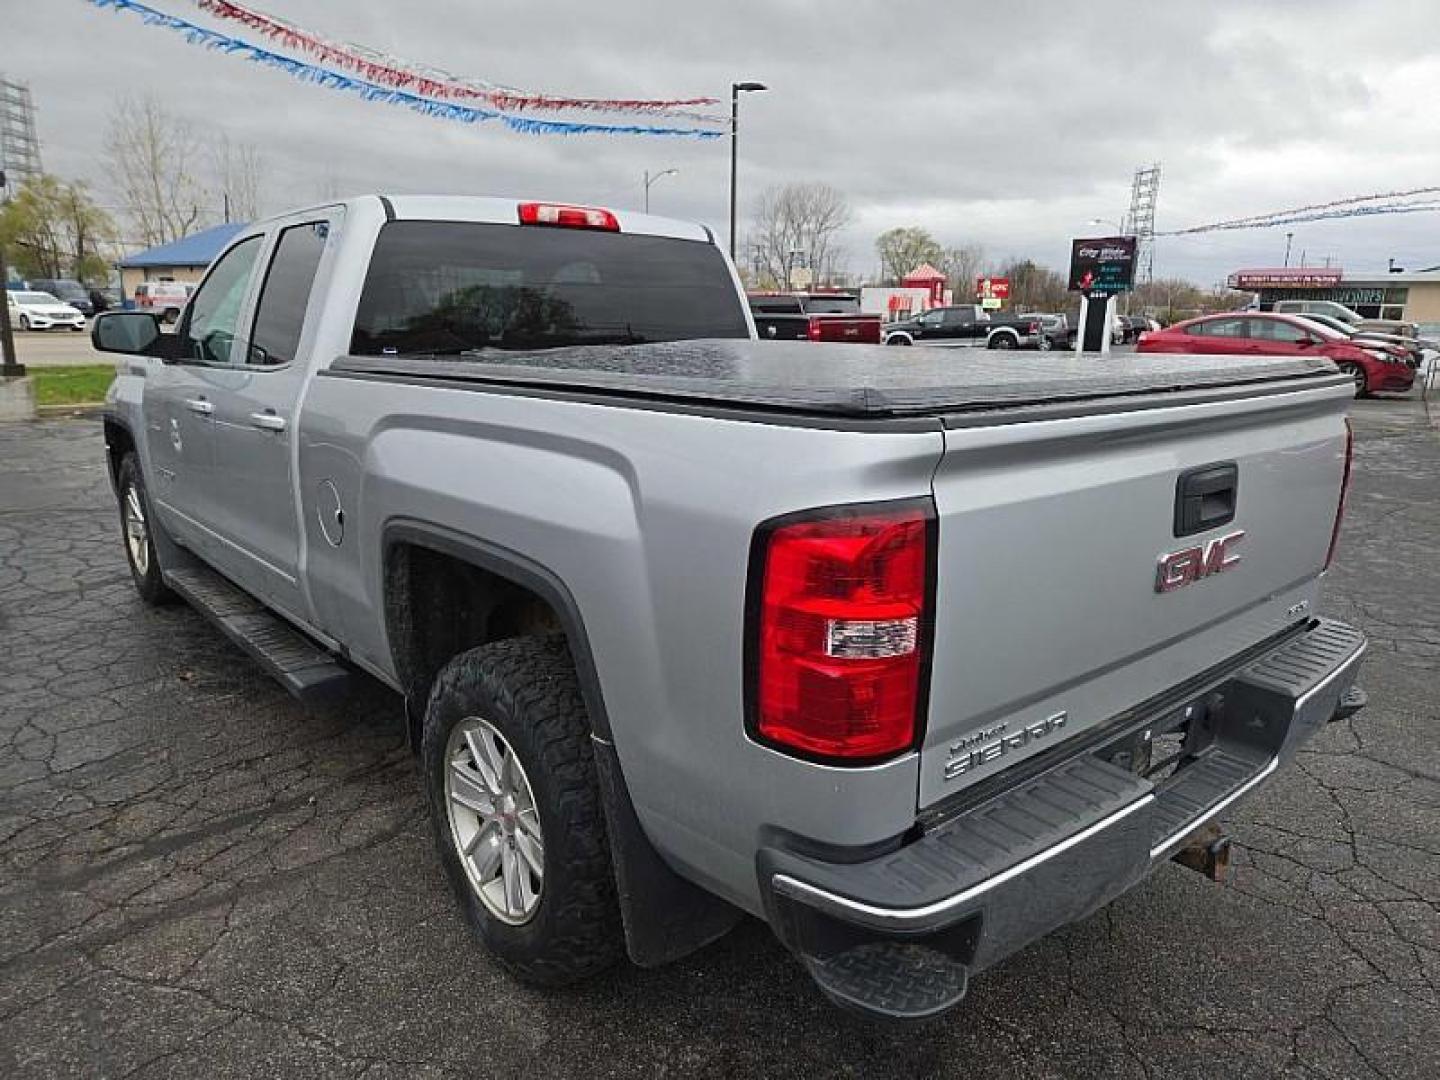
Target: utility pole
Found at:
x=10, y=367
x=736, y=89
x=1288, y=237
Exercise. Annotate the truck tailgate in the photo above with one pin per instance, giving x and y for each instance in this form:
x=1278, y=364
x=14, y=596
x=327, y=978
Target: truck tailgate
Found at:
x=854, y=329
x=1049, y=616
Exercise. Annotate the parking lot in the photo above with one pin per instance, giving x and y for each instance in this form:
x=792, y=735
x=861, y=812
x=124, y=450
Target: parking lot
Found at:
x=199, y=877
x=56, y=348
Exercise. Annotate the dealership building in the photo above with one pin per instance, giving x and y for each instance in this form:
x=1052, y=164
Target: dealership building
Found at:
x=1411, y=295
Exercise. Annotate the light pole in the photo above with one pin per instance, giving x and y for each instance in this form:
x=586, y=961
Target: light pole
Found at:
x=1288, y=237
x=736, y=89
x=9, y=367
x=651, y=179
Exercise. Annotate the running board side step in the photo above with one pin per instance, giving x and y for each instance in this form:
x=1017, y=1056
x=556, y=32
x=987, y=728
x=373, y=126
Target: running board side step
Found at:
x=296, y=662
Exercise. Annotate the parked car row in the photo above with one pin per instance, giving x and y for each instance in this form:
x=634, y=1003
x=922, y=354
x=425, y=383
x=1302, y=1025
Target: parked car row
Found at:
x=46, y=303
x=1372, y=364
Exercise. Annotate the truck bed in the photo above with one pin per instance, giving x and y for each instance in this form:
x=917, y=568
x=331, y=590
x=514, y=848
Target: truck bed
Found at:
x=855, y=381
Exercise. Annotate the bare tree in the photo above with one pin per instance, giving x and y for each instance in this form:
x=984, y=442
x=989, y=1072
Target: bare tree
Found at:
x=963, y=265
x=148, y=151
x=1034, y=287
x=901, y=250
x=797, y=225
x=239, y=176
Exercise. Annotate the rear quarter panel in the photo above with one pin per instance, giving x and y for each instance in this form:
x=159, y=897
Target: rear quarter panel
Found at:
x=647, y=517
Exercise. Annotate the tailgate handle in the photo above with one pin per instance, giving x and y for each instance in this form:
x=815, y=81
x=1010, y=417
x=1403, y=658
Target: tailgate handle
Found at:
x=1205, y=497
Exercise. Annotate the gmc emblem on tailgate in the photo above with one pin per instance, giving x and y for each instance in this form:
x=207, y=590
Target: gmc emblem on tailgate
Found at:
x=1189, y=565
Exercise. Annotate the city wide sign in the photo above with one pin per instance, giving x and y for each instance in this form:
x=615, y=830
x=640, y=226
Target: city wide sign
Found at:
x=1102, y=266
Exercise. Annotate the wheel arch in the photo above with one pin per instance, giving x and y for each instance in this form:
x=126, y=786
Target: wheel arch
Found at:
x=119, y=441
x=666, y=915
x=501, y=563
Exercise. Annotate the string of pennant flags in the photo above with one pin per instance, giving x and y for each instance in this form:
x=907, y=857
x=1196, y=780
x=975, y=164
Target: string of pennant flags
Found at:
x=479, y=103
x=434, y=82
x=1389, y=202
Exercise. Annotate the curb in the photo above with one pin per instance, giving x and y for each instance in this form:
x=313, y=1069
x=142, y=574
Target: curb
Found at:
x=88, y=409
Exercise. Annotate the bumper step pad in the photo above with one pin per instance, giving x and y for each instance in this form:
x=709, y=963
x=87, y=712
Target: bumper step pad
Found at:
x=893, y=980
x=292, y=659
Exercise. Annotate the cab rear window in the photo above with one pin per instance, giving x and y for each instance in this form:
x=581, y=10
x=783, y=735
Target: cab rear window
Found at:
x=452, y=287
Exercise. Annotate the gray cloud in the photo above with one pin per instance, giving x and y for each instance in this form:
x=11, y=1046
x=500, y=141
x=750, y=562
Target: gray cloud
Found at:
x=1011, y=125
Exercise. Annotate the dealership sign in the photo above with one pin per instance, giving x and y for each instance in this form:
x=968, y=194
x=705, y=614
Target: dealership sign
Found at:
x=1290, y=277
x=1102, y=266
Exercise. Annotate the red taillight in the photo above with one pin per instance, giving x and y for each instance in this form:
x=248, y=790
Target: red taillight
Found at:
x=1034, y=328
x=839, y=630
x=1344, y=492
x=568, y=217
x=813, y=330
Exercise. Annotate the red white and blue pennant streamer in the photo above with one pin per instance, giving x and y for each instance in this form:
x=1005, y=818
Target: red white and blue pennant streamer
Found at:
x=391, y=95
x=1352, y=207
x=434, y=82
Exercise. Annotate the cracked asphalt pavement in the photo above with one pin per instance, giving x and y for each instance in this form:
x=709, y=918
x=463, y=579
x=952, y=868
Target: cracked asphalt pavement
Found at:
x=200, y=877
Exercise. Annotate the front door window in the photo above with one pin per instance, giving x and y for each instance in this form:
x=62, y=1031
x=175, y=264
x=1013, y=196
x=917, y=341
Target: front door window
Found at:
x=208, y=335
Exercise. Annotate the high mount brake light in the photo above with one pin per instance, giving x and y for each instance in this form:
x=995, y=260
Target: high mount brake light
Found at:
x=839, y=619
x=1344, y=492
x=568, y=217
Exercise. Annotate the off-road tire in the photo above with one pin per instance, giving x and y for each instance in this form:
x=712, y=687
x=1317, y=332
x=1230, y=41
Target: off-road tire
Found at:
x=149, y=581
x=527, y=689
x=1001, y=341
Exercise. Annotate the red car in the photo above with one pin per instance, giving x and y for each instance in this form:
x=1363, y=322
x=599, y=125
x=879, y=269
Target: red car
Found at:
x=1373, y=365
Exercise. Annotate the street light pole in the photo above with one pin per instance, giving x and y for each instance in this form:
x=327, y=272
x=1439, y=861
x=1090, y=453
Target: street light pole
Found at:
x=10, y=367
x=651, y=179
x=736, y=89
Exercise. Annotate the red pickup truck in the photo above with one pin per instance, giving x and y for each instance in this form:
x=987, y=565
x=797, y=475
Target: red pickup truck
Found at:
x=833, y=317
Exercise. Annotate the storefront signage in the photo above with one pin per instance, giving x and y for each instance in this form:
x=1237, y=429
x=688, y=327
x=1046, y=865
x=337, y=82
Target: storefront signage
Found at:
x=992, y=288
x=1295, y=277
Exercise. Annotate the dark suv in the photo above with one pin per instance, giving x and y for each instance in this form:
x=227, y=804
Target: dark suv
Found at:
x=71, y=292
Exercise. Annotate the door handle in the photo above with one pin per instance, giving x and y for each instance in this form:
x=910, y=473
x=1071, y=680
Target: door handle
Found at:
x=267, y=421
x=199, y=405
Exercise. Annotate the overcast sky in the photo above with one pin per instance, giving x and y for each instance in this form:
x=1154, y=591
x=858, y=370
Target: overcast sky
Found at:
x=1009, y=124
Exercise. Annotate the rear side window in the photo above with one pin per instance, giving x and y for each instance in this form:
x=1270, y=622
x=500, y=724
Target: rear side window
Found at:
x=1219, y=328
x=449, y=287
x=832, y=305
x=280, y=315
x=776, y=305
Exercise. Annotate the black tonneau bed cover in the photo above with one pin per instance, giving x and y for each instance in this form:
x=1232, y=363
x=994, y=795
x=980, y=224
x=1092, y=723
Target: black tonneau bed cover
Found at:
x=862, y=381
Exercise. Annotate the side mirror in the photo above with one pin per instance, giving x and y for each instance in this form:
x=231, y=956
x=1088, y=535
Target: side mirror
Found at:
x=133, y=333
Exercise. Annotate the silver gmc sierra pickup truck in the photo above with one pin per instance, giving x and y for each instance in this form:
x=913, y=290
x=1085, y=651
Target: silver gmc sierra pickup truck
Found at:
x=914, y=657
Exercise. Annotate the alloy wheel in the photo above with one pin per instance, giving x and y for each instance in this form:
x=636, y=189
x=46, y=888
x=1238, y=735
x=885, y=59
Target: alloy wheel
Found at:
x=494, y=822
x=137, y=531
